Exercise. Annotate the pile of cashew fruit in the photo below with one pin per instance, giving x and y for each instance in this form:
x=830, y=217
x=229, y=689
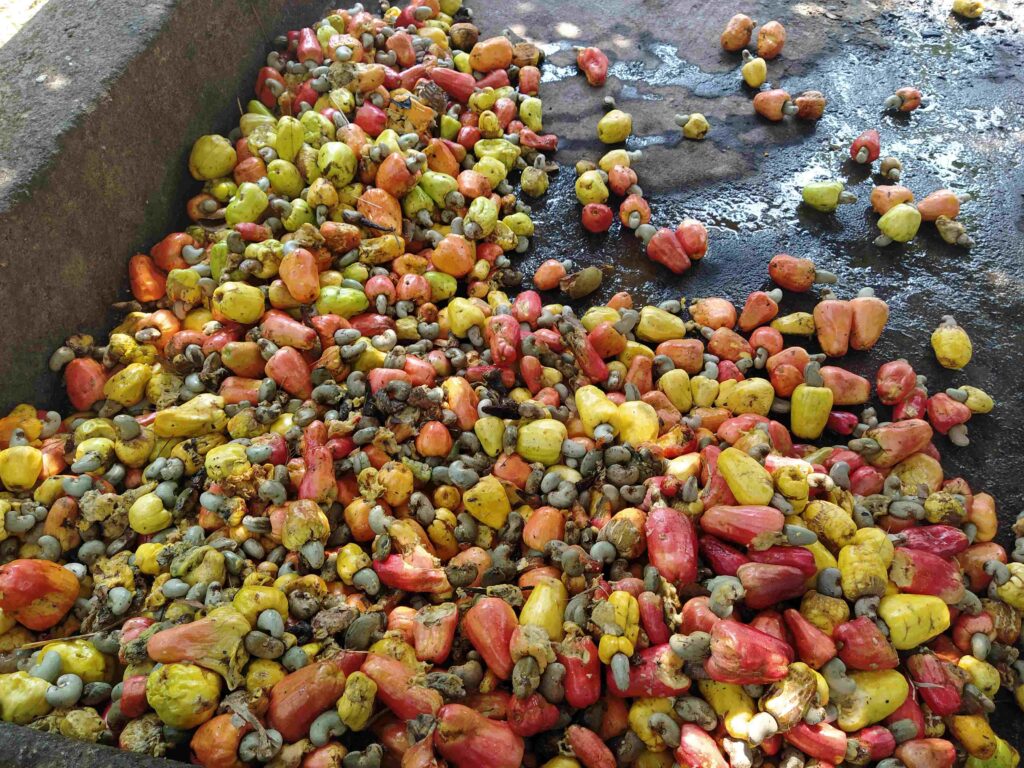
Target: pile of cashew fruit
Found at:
x=336, y=491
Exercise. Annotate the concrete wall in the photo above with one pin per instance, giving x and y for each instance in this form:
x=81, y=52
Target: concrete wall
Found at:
x=23, y=748
x=95, y=129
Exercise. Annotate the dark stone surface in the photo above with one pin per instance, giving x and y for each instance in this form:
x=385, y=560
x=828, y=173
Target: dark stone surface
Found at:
x=744, y=179
x=137, y=99
x=24, y=748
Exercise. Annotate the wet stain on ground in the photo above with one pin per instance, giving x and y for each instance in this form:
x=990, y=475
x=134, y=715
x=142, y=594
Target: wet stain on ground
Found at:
x=743, y=181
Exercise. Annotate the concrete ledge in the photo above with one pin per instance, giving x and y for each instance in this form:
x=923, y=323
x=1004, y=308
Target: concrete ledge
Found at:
x=84, y=174
x=20, y=748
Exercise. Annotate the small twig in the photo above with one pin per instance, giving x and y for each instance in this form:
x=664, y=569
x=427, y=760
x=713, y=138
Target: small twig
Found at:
x=259, y=23
x=41, y=643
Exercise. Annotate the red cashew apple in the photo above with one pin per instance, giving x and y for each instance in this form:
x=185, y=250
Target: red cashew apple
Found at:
x=658, y=672
x=396, y=689
x=672, y=544
x=300, y=697
x=489, y=626
x=37, y=593
x=467, y=739
x=745, y=655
